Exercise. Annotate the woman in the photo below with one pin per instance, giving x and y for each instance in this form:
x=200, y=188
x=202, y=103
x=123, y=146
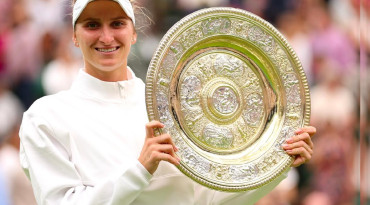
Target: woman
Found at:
x=90, y=145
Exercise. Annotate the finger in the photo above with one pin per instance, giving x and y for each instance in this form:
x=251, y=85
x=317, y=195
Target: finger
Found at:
x=298, y=161
x=309, y=129
x=165, y=139
x=149, y=127
x=160, y=156
x=301, y=137
x=298, y=145
x=165, y=148
x=301, y=152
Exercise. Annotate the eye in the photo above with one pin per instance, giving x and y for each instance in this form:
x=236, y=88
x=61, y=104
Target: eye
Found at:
x=92, y=25
x=118, y=24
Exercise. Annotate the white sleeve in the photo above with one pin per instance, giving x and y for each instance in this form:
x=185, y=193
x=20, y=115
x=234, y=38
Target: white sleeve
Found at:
x=205, y=195
x=55, y=179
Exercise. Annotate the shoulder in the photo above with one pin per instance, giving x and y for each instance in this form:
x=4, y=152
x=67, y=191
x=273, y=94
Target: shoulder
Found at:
x=47, y=104
x=45, y=115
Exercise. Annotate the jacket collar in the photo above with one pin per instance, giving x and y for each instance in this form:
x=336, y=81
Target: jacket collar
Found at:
x=103, y=90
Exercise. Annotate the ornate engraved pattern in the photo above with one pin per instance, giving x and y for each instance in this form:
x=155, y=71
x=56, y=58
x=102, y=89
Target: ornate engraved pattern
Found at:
x=190, y=90
x=254, y=113
x=224, y=100
x=217, y=137
x=230, y=91
x=215, y=25
x=211, y=99
x=163, y=110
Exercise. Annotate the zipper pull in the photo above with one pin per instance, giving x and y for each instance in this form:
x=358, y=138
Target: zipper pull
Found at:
x=121, y=90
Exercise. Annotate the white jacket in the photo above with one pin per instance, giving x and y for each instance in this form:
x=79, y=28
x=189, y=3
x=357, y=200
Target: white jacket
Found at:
x=81, y=147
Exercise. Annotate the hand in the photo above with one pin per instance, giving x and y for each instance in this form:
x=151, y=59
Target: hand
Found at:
x=157, y=148
x=300, y=145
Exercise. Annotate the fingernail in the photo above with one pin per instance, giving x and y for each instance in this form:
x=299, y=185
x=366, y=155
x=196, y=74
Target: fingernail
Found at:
x=285, y=146
x=289, y=140
x=298, y=131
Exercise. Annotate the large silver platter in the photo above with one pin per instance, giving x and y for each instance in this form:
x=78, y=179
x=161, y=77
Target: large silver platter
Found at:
x=229, y=90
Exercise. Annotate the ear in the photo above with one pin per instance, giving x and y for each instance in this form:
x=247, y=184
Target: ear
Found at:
x=134, y=37
x=74, y=39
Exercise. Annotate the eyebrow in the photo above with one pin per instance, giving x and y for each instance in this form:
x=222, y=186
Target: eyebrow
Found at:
x=120, y=17
x=96, y=19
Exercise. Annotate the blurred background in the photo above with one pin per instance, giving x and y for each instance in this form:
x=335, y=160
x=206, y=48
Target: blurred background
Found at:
x=331, y=38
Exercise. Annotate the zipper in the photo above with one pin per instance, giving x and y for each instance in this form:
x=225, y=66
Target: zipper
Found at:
x=121, y=91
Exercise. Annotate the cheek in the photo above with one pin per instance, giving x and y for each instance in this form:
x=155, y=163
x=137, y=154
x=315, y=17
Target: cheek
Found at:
x=124, y=35
x=86, y=37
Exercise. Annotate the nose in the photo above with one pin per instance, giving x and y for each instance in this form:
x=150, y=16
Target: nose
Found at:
x=106, y=36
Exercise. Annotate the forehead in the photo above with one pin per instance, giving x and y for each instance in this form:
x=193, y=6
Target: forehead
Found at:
x=103, y=9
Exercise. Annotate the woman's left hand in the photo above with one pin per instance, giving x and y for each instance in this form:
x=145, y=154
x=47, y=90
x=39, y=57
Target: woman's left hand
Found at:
x=300, y=145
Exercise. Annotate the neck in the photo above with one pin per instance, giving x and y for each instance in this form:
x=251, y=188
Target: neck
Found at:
x=109, y=76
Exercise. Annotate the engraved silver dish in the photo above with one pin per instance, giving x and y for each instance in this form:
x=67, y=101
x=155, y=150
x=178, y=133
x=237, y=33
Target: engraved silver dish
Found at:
x=229, y=90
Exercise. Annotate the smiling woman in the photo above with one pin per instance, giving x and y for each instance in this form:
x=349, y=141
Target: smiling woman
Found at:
x=93, y=144
x=105, y=33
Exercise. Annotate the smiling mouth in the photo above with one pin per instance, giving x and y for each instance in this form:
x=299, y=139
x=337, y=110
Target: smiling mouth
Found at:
x=107, y=50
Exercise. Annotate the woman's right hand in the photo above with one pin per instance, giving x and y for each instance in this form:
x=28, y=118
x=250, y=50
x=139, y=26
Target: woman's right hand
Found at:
x=157, y=148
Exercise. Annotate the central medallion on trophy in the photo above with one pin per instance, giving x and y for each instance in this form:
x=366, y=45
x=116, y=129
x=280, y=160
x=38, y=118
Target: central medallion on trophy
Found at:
x=221, y=100
x=215, y=106
x=224, y=100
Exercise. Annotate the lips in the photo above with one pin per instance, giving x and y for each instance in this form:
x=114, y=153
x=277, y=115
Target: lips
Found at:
x=107, y=50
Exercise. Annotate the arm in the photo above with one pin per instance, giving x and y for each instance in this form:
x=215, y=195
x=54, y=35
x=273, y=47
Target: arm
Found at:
x=55, y=179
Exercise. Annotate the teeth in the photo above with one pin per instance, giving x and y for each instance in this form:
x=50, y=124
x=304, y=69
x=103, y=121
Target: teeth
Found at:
x=107, y=49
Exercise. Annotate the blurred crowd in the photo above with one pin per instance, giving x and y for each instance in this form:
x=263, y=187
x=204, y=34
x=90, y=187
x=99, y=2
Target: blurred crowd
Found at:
x=37, y=58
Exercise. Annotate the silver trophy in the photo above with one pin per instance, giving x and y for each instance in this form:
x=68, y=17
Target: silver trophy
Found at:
x=229, y=90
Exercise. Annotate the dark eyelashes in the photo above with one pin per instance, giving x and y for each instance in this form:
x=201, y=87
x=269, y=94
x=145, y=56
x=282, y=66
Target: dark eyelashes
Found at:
x=91, y=24
x=96, y=24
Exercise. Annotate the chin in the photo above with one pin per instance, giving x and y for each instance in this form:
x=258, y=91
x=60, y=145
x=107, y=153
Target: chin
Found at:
x=108, y=67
